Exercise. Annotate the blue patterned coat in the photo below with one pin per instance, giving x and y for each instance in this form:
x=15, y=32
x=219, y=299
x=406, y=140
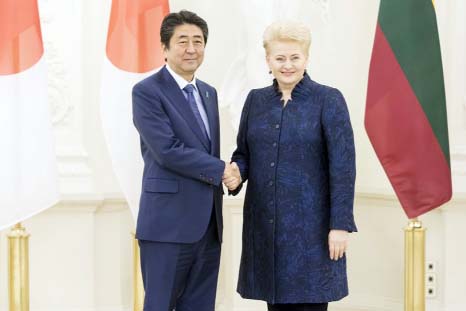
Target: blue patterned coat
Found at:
x=300, y=165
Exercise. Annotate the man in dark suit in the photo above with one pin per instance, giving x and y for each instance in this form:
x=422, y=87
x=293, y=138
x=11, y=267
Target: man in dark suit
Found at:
x=179, y=226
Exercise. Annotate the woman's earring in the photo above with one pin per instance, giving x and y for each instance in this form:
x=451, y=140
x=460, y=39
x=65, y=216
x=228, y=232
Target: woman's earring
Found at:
x=270, y=72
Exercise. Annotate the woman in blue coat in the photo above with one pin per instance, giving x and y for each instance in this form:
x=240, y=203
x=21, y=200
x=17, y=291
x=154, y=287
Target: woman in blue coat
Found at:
x=295, y=148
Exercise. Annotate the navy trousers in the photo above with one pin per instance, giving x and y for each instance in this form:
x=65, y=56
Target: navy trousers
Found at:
x=181, y=277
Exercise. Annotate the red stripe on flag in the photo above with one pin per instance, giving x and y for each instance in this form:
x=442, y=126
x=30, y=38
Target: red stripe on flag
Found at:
x=133, y=40
x=402, y=136
x=20, y=36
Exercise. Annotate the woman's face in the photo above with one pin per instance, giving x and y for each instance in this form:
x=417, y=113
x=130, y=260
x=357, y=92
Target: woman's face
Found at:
x=287, y=60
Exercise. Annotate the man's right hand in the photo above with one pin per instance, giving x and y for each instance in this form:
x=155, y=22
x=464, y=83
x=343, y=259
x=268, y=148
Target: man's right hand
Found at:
x=231, y=176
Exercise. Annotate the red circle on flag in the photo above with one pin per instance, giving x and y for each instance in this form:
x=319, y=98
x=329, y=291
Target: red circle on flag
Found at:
x=20, y=36
x=133, y=40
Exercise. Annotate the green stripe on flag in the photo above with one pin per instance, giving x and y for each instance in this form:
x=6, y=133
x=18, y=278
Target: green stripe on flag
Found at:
x=410, y=27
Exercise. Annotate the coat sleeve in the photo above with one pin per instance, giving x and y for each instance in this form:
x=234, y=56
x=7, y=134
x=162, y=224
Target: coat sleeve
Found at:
x=156, y=132
x=241, y=154
x=338, y=135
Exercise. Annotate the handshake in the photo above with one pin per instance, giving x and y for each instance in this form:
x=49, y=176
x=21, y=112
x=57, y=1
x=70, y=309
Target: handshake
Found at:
x=231, y=176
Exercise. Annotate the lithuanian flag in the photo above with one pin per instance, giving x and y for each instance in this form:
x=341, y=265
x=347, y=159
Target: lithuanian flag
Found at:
x=406, y=118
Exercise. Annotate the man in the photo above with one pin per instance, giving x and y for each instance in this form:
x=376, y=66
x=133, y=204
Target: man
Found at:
x=179, y=226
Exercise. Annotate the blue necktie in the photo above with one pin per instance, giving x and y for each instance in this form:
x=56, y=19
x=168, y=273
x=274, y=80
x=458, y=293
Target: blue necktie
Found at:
x=189, y=89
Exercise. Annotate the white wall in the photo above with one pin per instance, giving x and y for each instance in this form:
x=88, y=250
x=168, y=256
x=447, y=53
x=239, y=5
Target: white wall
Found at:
x=81, y=249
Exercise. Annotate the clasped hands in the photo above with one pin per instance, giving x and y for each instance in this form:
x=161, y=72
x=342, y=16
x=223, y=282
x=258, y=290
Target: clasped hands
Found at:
x=231, y=176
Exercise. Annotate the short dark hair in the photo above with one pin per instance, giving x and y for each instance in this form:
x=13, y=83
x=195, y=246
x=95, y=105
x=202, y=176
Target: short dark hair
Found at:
x=172, y=20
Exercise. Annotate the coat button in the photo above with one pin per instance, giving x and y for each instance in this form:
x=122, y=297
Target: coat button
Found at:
x=277, y=126
x=271, y=183
x=274, y=144
x=271, y=221
x=272, y=164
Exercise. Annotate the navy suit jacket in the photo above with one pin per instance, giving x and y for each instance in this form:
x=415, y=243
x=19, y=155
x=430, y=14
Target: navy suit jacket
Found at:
x=182, y=180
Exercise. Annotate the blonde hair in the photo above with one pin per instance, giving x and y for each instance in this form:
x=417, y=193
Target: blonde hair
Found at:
x=287, y=31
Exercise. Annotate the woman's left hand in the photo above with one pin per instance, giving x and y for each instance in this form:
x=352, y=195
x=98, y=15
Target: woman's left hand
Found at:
x=337, y=243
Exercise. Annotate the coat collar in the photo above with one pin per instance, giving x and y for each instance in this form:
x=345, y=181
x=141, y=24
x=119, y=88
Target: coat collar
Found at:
x=302, y=90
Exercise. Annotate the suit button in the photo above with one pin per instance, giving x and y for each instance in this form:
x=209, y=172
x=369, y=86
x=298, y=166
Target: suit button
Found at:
x=274, y=144
x=277, y=126
x=272, y=164
x=271, y=221
x=271, y=183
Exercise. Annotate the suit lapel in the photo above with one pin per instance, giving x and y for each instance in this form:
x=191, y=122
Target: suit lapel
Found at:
x=176, y=97
x=210, y=105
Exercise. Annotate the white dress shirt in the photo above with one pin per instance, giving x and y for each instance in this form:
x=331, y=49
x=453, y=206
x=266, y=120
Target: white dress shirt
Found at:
x=182, y=83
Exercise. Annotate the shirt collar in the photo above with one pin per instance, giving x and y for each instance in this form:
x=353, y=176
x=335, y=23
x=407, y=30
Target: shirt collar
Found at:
x=180, y=80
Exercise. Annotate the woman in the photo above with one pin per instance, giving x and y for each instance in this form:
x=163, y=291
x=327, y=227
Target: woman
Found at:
x=296, y=149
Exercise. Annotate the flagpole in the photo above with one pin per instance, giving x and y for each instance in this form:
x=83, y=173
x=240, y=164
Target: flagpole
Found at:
x=414, y=266
x=18, y=269
x=138, y=288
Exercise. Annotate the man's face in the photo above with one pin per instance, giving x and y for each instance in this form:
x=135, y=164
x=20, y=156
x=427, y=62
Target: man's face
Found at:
x=186, y=51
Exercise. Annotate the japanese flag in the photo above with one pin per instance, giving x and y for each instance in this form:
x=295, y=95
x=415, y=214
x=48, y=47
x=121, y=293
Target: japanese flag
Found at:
x=133, y=52
x=28, y=171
